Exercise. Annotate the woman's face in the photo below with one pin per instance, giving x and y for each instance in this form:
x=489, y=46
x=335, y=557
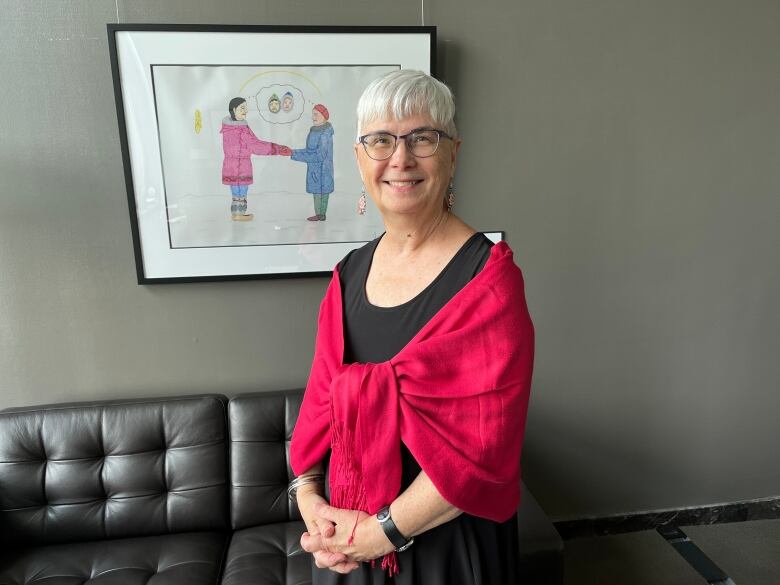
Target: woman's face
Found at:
x=317, y=118
x=404, y=183
x=240, y=111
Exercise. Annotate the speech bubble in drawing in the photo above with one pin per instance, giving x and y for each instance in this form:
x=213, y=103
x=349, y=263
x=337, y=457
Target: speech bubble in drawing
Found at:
x=280, y=103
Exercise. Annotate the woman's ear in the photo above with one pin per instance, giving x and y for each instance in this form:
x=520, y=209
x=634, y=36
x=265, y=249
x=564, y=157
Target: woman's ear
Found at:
x=455, y=148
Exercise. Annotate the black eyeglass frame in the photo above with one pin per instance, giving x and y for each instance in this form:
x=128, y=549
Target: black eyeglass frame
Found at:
x=439, y=133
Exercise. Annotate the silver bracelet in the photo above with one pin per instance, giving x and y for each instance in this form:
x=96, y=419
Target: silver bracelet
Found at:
x=292, y=489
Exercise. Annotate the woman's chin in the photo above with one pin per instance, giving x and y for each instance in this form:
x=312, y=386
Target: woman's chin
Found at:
x=402, y=208
x=403, y=203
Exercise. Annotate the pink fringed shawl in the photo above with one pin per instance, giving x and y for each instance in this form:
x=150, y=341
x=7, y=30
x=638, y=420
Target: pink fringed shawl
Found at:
x=456, y=395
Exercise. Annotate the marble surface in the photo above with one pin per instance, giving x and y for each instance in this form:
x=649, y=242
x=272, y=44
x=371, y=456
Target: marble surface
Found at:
x=765, y=509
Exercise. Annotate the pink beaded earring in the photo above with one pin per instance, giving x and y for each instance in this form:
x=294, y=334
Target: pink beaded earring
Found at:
x=450, y=197
x=362, y=202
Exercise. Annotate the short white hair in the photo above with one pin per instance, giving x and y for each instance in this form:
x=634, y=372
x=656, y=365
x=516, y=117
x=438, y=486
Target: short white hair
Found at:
x=405, y=93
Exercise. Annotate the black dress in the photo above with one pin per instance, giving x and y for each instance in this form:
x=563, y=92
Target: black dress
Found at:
x=467, y=550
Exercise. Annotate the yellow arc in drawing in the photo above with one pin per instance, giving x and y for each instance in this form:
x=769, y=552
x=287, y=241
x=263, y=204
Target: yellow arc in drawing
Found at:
x=198, y=122
x=248, y=81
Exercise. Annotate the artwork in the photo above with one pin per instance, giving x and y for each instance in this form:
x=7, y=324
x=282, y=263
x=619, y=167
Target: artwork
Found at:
x=238, y=144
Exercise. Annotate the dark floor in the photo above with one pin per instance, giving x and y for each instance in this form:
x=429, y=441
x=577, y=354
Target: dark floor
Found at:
x=748, y=552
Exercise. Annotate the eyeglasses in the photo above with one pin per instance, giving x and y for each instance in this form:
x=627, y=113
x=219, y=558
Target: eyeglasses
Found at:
x=421, y=143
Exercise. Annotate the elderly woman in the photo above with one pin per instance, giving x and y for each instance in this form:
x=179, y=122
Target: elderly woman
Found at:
x=419, y=387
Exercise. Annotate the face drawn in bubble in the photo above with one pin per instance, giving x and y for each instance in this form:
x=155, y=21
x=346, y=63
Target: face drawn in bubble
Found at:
x=285, y=110
x=274, y=104
x=287, y=102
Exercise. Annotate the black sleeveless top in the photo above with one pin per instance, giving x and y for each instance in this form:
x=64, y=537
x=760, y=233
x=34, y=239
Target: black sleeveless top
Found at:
x=375, y=334
x=467, y=550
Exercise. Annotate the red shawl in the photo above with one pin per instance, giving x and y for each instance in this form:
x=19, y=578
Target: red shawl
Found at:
x=456, y=395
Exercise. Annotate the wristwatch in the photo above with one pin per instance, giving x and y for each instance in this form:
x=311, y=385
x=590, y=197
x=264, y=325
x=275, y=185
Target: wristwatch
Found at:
x=399, y=541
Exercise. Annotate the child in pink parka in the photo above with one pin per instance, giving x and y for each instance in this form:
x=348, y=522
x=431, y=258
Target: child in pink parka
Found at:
x=239, y=143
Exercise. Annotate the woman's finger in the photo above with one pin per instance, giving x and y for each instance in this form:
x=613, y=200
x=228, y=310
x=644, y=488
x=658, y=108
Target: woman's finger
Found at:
x=329, y=513
x=344, y=568
x=311, y=543
x=326, y=560
x=325, y=527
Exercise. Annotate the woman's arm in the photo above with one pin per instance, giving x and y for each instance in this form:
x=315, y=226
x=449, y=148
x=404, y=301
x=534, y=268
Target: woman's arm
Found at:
x=421, y=507
x=308, y=496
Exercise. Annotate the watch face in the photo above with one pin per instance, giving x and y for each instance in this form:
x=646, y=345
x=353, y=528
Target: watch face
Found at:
x=383, y=514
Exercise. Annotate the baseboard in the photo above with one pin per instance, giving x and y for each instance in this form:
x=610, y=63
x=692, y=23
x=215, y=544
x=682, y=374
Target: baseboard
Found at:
x=763, y=509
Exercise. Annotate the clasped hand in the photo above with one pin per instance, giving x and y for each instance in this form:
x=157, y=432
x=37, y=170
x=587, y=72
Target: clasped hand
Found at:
x=329, y=532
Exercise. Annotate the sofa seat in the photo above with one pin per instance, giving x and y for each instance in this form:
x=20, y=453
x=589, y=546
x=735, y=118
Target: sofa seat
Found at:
x=268, y=554
x=194, y=558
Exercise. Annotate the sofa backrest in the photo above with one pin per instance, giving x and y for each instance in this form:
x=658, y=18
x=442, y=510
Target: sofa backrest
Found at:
x=260, y=427
x=112, y=469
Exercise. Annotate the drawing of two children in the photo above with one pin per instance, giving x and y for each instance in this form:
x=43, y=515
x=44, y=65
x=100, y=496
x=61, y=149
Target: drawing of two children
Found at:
x=239, y=143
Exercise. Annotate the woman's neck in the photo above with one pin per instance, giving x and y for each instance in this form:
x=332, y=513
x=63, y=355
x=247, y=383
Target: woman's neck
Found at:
x=407, y=236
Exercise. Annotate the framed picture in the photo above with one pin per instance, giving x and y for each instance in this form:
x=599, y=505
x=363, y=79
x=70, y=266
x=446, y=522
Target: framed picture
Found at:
x=237, y=143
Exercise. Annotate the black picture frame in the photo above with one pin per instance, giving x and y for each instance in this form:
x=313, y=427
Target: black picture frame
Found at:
x=171, y=171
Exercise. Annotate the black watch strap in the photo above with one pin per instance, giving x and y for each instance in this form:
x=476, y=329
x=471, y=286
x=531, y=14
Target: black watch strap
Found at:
x=400, y=542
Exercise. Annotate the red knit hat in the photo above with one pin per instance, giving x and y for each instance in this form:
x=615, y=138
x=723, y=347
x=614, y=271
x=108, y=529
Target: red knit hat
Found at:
x=322, y=110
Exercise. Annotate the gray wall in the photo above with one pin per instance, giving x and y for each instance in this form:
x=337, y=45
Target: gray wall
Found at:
x=631, y=151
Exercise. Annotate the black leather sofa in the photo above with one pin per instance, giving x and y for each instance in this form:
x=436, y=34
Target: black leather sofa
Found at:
x=185, y=490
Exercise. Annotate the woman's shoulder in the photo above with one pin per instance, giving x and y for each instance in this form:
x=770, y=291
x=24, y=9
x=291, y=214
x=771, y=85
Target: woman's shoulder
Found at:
x=472, y=255
x=480, y=241
x=465, y=240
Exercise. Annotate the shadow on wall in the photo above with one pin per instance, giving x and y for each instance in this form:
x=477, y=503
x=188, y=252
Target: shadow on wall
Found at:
x=447, y=59
x=577, y=472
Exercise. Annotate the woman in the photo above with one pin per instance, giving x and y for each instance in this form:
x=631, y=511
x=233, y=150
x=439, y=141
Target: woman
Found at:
x=318, y=156
x=421, y=374
x=239, y=143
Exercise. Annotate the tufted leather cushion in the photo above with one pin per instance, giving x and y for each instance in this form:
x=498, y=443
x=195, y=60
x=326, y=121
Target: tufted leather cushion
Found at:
x=173, y=559
x=260, y=427
x=112, y=470
x=268, y=554
x=109, y=472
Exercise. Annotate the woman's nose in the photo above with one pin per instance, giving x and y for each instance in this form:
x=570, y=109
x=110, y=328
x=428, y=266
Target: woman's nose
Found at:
x=402, y=155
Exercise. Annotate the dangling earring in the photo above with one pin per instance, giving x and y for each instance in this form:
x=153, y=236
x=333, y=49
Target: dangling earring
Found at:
x=362, y=202
x=450, y=196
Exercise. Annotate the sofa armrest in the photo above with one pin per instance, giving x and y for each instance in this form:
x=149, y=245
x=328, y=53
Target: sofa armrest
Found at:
x=541, y=547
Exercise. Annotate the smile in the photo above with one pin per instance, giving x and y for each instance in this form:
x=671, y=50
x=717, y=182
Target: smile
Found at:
x=402, y=183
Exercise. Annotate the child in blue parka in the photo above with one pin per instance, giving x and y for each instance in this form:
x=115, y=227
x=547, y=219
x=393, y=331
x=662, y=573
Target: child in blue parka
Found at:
x=318, y=156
